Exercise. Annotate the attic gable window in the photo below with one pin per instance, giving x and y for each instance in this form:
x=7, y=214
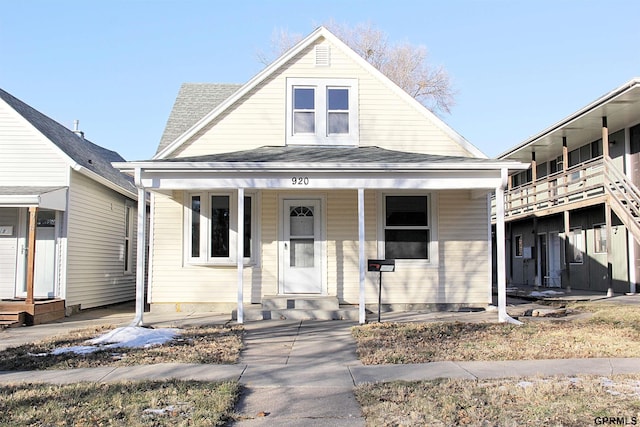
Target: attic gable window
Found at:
x=322, y=111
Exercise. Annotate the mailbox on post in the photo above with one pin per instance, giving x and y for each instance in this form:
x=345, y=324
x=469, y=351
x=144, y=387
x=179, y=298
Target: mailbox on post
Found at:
x=381, y=266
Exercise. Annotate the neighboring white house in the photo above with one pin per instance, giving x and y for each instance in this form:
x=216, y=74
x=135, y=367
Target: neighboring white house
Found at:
x=83, y=213
x=275, y=193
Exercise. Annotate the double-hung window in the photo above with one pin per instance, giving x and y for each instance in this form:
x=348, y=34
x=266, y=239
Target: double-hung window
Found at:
x=407, y=227
x=322, y=111
x=211, y=229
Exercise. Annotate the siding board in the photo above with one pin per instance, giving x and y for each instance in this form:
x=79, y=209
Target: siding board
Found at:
x=95, y=245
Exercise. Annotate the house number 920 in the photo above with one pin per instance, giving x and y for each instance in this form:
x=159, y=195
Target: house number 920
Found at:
x=300, y=180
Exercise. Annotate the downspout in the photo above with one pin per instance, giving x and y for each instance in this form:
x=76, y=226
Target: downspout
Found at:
x=501, y=257
x=141, y=249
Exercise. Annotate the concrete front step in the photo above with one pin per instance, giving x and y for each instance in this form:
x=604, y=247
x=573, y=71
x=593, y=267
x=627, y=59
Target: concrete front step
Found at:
x=252, y=314
x=300, y=302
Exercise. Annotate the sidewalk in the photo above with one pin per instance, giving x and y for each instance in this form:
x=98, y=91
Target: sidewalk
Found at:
x=300, y=372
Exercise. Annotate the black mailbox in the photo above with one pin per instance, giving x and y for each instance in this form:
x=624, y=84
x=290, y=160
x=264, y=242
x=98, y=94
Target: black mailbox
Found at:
x=381, y=265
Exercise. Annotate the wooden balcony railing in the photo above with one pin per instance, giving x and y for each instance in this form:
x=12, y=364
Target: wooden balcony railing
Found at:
x=581, y=185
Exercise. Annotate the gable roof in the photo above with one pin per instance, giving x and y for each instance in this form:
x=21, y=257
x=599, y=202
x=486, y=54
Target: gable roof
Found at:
x=320, y=32
x=194, y=101
x=83, y=152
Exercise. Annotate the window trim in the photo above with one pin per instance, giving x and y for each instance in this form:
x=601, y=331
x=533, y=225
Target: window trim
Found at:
x=205, y=257
x=321, y=135
x=518, y=249
x=572, y=245
x=603, y=229
x=433, y=248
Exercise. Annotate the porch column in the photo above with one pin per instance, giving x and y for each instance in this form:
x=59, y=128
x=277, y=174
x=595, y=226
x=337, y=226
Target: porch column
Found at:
x=240, y=255
x=141, y=240
x=534, y=178
x=567, y=250
x=31, y=254
x=362, y=261
x=567, y=224
x=607, y=210
x=501, y=256
x=631, y=242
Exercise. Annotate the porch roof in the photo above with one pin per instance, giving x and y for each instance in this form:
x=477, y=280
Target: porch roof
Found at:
x=323, y=158
x=307, y=167
x=44, y=197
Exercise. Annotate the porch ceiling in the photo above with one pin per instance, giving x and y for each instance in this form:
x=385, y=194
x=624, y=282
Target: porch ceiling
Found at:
x=621, y=107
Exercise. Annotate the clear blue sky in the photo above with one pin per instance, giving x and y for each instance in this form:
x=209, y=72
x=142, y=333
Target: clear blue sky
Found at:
x=517, y=66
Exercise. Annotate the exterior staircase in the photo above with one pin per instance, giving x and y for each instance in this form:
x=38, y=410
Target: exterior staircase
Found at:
x=298, y=307
x=624, y=199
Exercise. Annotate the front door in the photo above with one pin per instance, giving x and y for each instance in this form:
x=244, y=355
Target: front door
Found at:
x=301, y=247
x=44, y=279
x=555, y=271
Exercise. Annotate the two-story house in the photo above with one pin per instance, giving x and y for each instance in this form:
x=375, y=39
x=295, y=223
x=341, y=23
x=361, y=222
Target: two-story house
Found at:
x=271, y=197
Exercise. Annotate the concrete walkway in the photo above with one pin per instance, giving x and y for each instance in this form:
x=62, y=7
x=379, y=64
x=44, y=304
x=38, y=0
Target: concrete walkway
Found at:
x=296, y=372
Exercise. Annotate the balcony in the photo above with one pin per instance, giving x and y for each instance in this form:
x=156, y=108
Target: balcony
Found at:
x=579, y=186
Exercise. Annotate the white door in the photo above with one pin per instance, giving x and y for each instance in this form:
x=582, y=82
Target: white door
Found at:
x=44, y=279
x=301, y=247
x=555, y=270
x=44, y=275
x=8, y=251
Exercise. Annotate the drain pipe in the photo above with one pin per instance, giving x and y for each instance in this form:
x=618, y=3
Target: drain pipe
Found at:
x=501, y=263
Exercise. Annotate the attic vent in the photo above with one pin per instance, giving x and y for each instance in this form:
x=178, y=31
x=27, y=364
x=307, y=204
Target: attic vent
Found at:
x=322, y=55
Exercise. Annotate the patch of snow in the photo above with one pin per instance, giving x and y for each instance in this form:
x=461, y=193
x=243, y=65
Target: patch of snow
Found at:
x=606, y=382
x=136, y=336
x=163, y=411
x=525, y=384
x=128, y=336
x=545, y=293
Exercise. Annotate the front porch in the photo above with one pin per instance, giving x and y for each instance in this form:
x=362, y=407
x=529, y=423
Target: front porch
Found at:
x=18, y=312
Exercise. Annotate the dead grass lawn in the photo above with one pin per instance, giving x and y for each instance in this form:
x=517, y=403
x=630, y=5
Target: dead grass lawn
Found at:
x=557, y=401
x=130, y=404
x=210, y=344
x=611, y=331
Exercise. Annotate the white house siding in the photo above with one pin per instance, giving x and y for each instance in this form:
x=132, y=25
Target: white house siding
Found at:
x=95, y=245
x=176, y=281
x=8, y=253
x=343, y=268
x=385, y=119
x=461, y=229
x=461, y=275
x=464, y=250
x=27, y=158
